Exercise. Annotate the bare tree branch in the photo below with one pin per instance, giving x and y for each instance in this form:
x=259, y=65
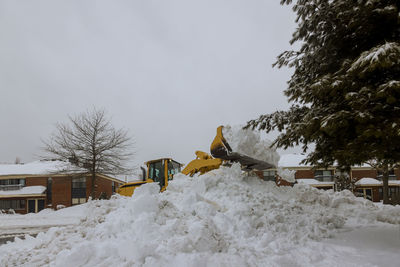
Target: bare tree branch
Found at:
x=90, y=142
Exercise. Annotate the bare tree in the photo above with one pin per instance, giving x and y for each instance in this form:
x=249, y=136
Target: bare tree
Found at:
x=90, y=142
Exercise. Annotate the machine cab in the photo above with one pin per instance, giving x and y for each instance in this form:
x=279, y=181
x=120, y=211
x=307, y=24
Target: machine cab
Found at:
x=162, y=170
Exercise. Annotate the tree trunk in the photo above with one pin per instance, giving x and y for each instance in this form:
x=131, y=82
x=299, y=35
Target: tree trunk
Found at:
x=92, y=192
x=385, y=180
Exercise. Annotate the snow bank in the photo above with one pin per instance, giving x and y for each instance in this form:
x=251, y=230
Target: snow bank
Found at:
x=222, y=218
x=286, y=174
x=249, y=143
x=36, y=222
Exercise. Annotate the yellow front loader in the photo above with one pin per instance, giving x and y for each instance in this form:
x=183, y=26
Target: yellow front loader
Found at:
x=221, y=153
x=160, y=171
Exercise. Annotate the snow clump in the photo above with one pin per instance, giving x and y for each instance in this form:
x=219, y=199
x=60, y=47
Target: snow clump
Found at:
x=250, y=143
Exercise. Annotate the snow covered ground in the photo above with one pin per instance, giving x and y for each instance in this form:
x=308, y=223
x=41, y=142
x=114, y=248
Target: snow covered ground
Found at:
x=34, y=223
x=223, y=218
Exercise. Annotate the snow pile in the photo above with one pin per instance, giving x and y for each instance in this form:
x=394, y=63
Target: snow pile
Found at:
x=222, y=218
x=249, y=143
x=34, y=223
x=286, y=174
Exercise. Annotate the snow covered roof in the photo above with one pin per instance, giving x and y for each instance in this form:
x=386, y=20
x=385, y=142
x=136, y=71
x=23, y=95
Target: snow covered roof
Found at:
x=313, y=182
x=373, y=181
x=292, y=160
x=37, y=167
x=27, y=190
x=369, y=181
x=307, y=181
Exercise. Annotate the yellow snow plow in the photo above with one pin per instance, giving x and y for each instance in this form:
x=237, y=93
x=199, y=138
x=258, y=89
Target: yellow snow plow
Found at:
x=160, y=171
x=221, y=153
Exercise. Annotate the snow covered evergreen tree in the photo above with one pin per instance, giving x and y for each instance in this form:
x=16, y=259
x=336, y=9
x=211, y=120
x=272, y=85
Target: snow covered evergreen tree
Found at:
x=345, y=91
x=343, y=181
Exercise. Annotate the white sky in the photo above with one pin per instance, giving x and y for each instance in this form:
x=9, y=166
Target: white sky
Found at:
x=169, y=71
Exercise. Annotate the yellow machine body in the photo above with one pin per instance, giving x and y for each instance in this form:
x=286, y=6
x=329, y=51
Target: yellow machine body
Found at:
x=203, y=163
x=160, y=171
x=127, y=189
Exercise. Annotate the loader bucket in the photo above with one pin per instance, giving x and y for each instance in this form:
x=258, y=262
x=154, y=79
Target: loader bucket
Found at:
x=203, y=163
x=220, y=147
x=222, y=150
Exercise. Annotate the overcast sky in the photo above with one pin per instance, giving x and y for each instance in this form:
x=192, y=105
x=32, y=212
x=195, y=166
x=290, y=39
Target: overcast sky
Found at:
x=168, y=71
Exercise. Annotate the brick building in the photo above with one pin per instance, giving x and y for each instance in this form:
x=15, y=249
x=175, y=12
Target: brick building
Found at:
x=368, y=182
x=34, y=186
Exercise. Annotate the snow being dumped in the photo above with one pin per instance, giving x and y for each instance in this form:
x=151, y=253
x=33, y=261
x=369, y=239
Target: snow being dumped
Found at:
x=250, y=143
x=222, y=218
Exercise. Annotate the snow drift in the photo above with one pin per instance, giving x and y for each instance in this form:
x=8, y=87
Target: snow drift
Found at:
x=222, y=218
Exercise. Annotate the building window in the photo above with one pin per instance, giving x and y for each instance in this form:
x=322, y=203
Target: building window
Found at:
x=364, y=192
x=78, y=192
x=76, y=201
x=11, y=184
x=392, y=175
x=393, y=191
x=324, y=175
x=269, y=175
x=15, y=204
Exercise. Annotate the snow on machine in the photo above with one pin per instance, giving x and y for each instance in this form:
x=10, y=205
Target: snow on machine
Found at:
x=221, y=153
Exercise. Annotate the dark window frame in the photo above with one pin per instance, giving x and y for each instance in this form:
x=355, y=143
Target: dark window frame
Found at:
x=49, y=190
x=392, y=175
x=156, y=172
x=173, y=168
x=12, y=184
x=271, y=175
x=14, y=204
x=78, y=187
x=320, y=176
